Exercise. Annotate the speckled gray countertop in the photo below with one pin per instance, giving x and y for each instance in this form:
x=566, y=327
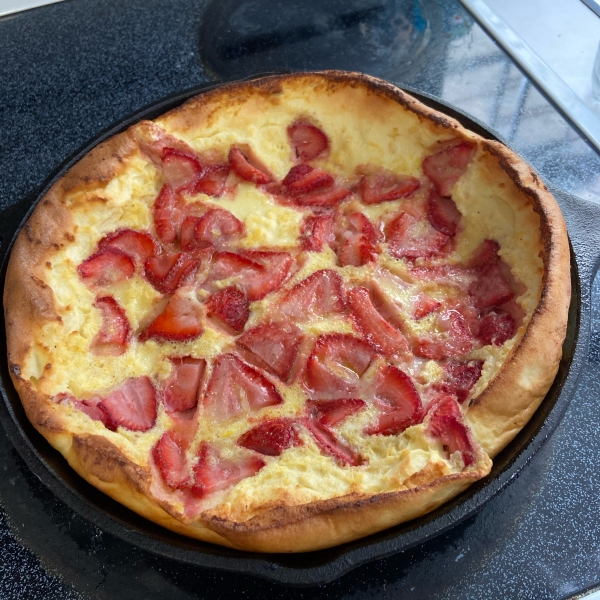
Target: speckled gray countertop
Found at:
x=70, y=70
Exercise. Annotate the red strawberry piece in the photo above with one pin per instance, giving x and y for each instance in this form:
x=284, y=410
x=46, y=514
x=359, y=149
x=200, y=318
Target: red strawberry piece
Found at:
x=496, y=328
x=355, y=239
x=460, y=377
x=332, y=446
x=308, y=141
x=187, y=234
x=213, y=182
x=182, y=319
x=167, y=213
x=445, y=423
x=93, y=410
x=386, y=186
x=138, y=245
x=453, y=339
x=231, y=266
x=450, y=275
x=168, y=272
x=319, y=295
x=213, y=473
x=360, y=223
x=247, y=167
x=387, y=339
x=443, y=213
x=327, y=198
x=302, y=179
x=106, y=267
x=275, y=345
x=153, y=141
x=316, y=232
x=180, y=391
x=230, y=307
x=514, y=309
x=133, y=405
x=413, y=238
x=181, y=170
x=491, y=288
x=217, y=226
x=357, y=251
x=446, y=166
x=271, y=437
x=276, y=267
x=424, y=305
x=236, y=388
x=336, y=364
x=114, y=333
x=331, y=412
x=171, y=461
x=485, y=254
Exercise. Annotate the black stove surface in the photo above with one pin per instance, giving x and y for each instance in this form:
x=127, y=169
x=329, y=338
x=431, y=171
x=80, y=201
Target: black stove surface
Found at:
x=71, y=69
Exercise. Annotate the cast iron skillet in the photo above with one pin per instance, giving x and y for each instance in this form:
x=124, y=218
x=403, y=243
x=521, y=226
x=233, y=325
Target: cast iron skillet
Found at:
x=583, y=220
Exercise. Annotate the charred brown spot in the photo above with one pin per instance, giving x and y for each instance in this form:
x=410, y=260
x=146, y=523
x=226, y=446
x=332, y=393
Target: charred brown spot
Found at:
x=49, y=264
x=69, y=237
x=39, y=282
x=15, y=369
x=28, y=232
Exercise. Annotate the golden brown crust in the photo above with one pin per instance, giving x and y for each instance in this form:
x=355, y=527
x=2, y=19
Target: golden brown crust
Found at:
x=495, y=416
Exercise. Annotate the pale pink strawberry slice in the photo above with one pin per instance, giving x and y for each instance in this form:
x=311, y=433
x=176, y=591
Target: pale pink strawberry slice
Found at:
x=307, y=140
x=233, y=267
x=247, y=167
x=336, y=364
x=319, y=295
x=330, y=413
x=413, y=238
x=316, y=232
x=276, y=268
x=113, y=337
x=91, y=407
x=323, y=198
x=383, y=336
x=106, y=267
x=445, y=423
x=357, y=251
x=303, y=179
x=213, y=473
x=236, y=388
x=424, y=305
x=181, y=170
x=133, y=405
x=496, y=328
x=180, y=391
x=450, y=275
x=167, y=212
x=460, y=377
x=385, y=186
x=213, y=182
x=139, y=245
x=331, y=445
x=492, y=287
x=452, y=339
x=443, y=214
x=271, y=437
x=218, y=226
x=446, y=166
x=153, y=141
x=355, y=239
x=275, y=345
x=485, y=254
x=182, y=319
x=171, y=462
x=230, y=307
x=167, y=272
x=397, y=398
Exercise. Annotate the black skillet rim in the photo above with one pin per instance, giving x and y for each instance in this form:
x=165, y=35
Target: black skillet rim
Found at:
x=300, y=569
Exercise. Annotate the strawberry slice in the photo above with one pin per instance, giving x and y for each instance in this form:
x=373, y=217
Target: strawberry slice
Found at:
x=271, y=437
x=181, y=170
x=302, y=179
x=332, y=446
x=114, y=333
x=319, y=295
x=91, y=407
x=106, y=267
x=168, y=272
x=316, y=232
x=331, y=412
x=230, y=307
x=485, y=254
x=308, y=141
x=133, y=405
x=336, y=364
x=167, y=212
x=385, y=338
x=496, y=328
x=171, y=461
x=396, y=396
x=443, y=214
x=450, y=275
x=248, y=167
x=138, y=245
x=357, y=251
x=218, y=226
x=356, y=239
x=213, y=473
x=181, y=320
x=213, y=182
x=424, y=305
x=460, y=377
x=236, y=388
x=275, y=345
x=276, y=267
x=413, y=238
x=327, y=198
x=492, y=287
x=445, y=423
x=446, y=166
x=233, y=267
x=451, y=338
x=153, y=141
x=385, y=186
x=180, y=391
